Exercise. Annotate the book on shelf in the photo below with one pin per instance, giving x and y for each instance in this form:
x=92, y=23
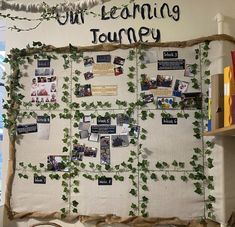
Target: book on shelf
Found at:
x=217, y=101
x=233, y=61
x=209, y=128
x=229, y=92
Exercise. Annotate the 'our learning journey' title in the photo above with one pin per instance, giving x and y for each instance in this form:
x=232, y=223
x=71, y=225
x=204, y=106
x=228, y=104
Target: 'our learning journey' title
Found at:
x=133, y=11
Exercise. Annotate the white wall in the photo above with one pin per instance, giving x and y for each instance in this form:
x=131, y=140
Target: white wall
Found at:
x=197, y=19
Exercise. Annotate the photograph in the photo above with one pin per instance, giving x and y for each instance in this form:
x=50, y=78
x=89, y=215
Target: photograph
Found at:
x=43, y=89
x=149, y=57
x=88, y=61
x=34, y=87
x=53, y=87
x=105, y=150
x=122, y=119
x=118, y=71
x=192, y=100
x=94, y=137
x=180, y=87
x=53, y=98
x=42, y=79
x=78, y=152
x=90, y=152
x=147, y=98
x=120, y=140
x=190, y=70
x=49, y=79
x=83, y=90
x=147, y=83
x=134, y=131
x=88, y=75
x=84, y=126
x=83, y=134
x=44, y=72
x=125, y=129
x=86, y=118
x=164, y=81
x=165, y=102
x=57, y=163
x=119, y=61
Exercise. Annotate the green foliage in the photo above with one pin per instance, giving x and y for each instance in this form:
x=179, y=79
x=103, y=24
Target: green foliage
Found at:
x=137, y=167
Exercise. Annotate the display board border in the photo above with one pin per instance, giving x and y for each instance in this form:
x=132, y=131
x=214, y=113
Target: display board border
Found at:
x=98, y=219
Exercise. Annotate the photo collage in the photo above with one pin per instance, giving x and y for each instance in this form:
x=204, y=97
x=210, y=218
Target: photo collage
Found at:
x=104, y=136
x=43, y=83
x=165, y=90
x=100, y=136
x=102, y=65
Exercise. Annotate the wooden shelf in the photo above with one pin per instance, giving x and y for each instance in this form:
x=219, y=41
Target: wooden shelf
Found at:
x=226, y=131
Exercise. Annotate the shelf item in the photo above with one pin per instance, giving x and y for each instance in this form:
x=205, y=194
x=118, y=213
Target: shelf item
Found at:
x=217, y=101
x=229, y=91
x=226, y=131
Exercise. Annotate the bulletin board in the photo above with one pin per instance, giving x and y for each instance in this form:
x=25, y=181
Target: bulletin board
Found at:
x=109, y=130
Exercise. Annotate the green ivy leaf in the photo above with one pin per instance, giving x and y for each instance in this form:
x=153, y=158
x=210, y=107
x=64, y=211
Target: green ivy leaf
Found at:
x=75, y=190
x=64, y=198
x=75, y=210
x=182, y=165
x=134, y=206
x=184, y=178
x=75, y=203
x=133, y=192
x=143, y=137
x=175, y=163
x=143, y=66
x=145, y=199
x=151, y=115
x=211, y=198
x=145, y=187
x=153, y=176
x=164, y=177
x=159, y=165
x=132, y=69
x=210, y=187
x=63, y=210
x=83, y=166
x=131, y=213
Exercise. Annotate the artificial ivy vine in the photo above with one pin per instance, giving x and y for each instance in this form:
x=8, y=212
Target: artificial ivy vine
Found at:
x=137, y=167
x=48, y=13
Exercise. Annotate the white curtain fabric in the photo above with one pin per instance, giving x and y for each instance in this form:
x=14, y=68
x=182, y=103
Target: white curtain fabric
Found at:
x=39, y=5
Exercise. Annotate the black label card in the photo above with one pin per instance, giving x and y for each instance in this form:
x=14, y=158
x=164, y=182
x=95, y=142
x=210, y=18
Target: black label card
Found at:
x=103, y=129
x=44, y=63
x=170, y=54
x=43, y=119
x=103, y=58
x=29, y=128
x=178, y=64
x=103, y=120
x=169, y=121
x=105, y=181
x=39, y=180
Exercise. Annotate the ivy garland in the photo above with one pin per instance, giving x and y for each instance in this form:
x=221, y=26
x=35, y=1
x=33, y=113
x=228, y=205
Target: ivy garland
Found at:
x=50, y=13
x=137, y=166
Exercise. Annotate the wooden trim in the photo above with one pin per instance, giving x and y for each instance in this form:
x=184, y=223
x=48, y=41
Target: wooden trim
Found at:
x=226, y=131
x=111, y=47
